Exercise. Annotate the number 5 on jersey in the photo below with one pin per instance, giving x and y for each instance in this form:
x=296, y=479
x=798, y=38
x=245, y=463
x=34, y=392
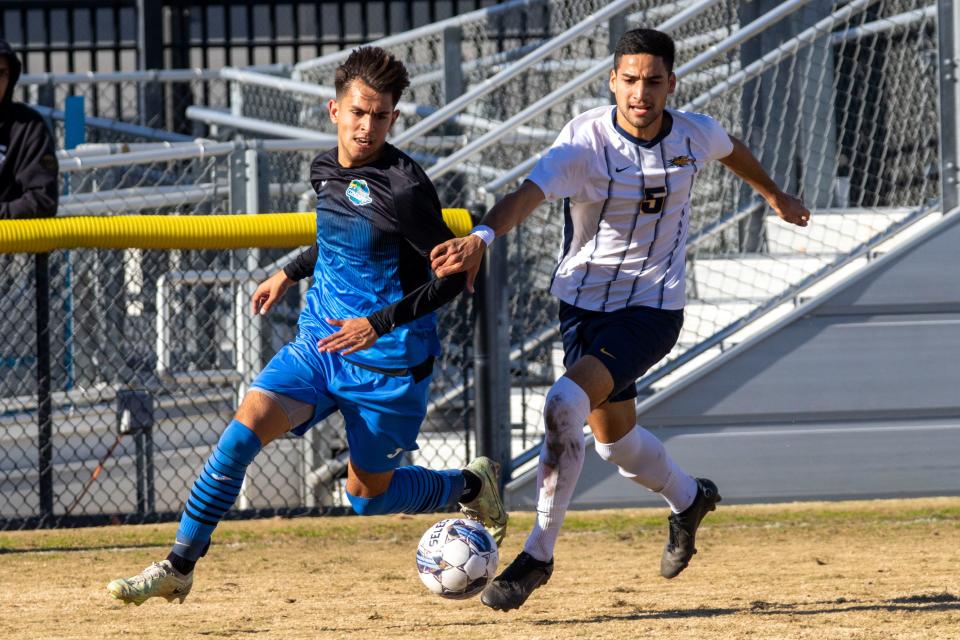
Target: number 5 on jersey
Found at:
x=653, y=199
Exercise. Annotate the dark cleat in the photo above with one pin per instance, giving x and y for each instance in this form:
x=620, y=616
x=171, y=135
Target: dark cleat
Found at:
x=511, y=588
x=683, y=529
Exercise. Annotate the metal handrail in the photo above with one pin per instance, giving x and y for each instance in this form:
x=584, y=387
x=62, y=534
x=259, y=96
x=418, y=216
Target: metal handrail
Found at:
x=116, y=155
x=110, y=148
x=116, y=126
x=491, y=84
x=223, y=118
x=759, y=25
x=153, y=75
x=750, y=30
x=484, y=141
x=413, y=34
x=819, y=30
x=899, y=21
x=199, y=150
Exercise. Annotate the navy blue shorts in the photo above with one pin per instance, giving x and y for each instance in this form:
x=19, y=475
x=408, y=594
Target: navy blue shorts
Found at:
x=628, y=342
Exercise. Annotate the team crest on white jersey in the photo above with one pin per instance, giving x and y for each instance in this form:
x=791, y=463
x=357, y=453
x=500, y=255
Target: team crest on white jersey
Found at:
x=680, y=161
x=359, y=193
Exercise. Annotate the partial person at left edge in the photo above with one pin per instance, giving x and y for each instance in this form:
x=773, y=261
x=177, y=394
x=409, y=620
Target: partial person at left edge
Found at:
x=28, y=158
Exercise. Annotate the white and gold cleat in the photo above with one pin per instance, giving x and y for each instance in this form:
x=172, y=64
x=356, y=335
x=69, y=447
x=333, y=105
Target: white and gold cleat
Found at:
x=487, y=507
x=159, y=580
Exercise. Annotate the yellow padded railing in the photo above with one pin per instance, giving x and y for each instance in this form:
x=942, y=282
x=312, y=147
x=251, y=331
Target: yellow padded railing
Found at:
x=175, y=232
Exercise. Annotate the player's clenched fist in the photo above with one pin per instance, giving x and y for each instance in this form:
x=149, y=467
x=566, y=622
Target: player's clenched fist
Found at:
x=791, y=209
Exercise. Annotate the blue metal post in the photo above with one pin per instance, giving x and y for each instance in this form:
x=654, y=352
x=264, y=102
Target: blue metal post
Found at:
x=74, y=134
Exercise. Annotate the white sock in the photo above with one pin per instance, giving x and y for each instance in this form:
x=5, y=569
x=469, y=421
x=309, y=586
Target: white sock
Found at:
x=642, y=458
x=561, y=460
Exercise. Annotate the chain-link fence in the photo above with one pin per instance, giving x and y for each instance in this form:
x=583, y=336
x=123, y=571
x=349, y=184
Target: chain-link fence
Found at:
x=150, y=351
x=827, y=94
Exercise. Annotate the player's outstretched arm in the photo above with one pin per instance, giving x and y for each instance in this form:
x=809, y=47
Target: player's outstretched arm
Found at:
x=464, y=254
x=743, y=163
x=269, y=291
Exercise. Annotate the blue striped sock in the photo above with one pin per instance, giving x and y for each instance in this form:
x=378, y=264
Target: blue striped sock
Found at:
x=216, y=489
x=414, y=490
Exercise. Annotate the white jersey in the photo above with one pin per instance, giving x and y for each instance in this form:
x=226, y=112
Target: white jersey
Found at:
x=626, y=207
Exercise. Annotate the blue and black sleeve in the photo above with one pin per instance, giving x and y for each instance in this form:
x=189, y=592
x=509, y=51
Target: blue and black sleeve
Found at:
x=420, y=221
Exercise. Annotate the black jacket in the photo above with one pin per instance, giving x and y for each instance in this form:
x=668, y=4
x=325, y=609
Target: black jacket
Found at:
x=28, y=158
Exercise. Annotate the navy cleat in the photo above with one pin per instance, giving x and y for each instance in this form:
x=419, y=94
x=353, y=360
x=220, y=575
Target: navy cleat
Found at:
x=511, y=588
x=683, y=529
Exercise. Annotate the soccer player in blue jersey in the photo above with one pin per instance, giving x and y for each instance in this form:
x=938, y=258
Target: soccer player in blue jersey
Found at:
x=625, y=173
x=367, y=338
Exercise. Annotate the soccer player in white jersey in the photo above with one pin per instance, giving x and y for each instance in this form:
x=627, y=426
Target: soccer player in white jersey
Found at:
x=625, y=174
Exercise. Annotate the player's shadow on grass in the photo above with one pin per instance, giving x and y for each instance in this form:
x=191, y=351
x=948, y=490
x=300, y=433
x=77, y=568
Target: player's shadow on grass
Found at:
x=918, y=603
x=102, y=547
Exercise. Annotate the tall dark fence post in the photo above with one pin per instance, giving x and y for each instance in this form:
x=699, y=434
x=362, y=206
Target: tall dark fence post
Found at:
x=492, y=358
x=44, y=407
x=135, y=417
x=150, y=57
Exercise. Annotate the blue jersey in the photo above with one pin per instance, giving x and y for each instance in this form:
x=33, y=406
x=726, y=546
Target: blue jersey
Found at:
x=376, y=226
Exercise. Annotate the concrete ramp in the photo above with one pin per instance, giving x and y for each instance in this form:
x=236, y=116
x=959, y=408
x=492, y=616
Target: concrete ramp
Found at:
x=855, y=394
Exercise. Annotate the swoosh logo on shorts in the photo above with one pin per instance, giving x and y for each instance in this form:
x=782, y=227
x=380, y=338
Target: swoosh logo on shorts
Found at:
x=604, y=351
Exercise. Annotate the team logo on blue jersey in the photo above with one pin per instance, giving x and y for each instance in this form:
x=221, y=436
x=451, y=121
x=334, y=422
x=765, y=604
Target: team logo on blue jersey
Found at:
x=681, y=161
x=359, y=193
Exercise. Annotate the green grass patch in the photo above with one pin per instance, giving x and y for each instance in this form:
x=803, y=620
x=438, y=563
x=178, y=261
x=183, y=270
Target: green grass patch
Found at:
x=943, y=513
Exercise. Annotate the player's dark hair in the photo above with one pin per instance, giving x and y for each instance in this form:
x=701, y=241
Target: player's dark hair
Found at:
x=649, y=41
x=378, y=69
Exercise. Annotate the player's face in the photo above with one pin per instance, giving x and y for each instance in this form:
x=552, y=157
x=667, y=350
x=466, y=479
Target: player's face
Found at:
x=363, y=118
x=641, y=84
x=4, y=75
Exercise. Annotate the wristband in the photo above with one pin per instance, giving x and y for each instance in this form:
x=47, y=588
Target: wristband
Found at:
x=484, y=232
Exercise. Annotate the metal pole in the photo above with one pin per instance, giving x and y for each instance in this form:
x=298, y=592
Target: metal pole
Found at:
x=182, y=96
x=135, y=417
x=149, y=470
x=948, y=20
x=138, y=438
x=74, y=135
x=452, y=64
x=492, y=359
x=249, y=190
x=617, y=27
x=150, y=56
x=44, y=406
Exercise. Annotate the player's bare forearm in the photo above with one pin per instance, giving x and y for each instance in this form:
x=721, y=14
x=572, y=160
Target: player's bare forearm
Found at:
x=746, y=166
x=465, y=254
x=513, y=208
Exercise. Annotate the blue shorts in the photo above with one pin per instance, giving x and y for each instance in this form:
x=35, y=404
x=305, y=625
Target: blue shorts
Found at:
x=628, y=341
x=383, y=412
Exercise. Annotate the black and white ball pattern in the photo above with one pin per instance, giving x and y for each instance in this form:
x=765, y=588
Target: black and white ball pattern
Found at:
x=456, y=558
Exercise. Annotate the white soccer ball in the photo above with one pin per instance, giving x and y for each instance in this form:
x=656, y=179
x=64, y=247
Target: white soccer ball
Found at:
x=456, y=558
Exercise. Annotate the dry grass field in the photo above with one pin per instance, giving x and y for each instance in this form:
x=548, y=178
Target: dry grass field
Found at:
x=852, y=570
